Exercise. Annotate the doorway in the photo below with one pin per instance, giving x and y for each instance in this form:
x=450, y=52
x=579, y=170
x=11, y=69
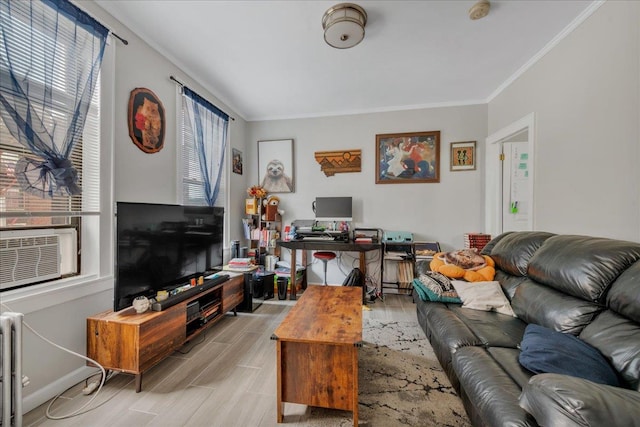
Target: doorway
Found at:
x=509, y=203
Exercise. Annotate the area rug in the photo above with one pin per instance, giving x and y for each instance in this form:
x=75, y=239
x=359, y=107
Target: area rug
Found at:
x=401, y=382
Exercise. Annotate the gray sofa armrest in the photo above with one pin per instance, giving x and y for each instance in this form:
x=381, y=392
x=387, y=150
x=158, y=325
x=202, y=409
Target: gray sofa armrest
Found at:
x=563, y=401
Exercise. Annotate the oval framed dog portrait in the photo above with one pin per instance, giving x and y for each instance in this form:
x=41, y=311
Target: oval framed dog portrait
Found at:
x=146, y=120
x=275, y=165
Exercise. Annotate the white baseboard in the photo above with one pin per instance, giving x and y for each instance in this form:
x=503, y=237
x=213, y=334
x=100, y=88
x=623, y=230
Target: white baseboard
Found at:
x=37, y=398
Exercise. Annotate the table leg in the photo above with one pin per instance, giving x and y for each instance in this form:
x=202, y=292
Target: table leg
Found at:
x=292, y=296
x=280, y=404
x=304, y=275
x=139, y=382
x=355, y=385
x=363, y=269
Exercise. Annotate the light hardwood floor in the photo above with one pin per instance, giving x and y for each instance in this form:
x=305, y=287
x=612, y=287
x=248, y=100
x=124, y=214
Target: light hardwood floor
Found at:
x=227, y=377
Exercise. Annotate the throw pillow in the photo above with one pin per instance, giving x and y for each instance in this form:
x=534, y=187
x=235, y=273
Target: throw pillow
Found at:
x=485, y=296
x=426, y=294
x=544, y=350
x=437, y=282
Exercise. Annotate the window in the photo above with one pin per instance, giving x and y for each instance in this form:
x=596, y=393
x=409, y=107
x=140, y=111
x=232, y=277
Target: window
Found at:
x=198, y=189
x=58, y=210
x=41, y=233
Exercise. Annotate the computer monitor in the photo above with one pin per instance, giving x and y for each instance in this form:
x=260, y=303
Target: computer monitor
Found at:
x=333, y=209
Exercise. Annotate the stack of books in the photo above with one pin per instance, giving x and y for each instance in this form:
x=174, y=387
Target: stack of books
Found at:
x=240, y=264
x=364, y=240
x=476, y=240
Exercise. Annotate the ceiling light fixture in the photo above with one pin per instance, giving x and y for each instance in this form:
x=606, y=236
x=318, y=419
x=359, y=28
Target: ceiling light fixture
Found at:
x=343, y=25
x=479, y=10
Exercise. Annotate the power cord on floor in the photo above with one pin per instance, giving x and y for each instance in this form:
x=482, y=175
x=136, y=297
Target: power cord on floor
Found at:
x=203, y=336
x=89, y=389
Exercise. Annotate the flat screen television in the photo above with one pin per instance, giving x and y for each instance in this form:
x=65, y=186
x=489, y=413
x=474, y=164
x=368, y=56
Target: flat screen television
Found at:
x=333, y=209
x=161, y=247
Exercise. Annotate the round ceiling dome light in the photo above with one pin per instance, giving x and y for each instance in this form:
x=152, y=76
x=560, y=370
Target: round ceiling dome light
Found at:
x=479, y=10
x=343, y=25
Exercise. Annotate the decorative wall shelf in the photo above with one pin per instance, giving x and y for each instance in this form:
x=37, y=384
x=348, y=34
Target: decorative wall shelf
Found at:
x=333, y=162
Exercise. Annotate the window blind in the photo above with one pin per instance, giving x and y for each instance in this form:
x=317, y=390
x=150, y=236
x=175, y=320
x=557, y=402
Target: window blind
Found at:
x=193, y=192
x=31, y=33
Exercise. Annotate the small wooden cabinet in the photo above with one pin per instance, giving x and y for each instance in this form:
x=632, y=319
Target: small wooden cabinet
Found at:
x=128, y=342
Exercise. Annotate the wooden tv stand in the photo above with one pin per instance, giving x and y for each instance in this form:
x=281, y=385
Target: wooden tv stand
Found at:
x=128, y=342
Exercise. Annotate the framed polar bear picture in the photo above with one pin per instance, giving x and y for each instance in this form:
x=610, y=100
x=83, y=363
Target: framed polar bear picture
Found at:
x=275, y=165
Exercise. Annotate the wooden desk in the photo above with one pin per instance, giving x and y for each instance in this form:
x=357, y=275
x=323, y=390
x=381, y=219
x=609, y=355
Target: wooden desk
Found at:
x=319, y=245
x=317, y=350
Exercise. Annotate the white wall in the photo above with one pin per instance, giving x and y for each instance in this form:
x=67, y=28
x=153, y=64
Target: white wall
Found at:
x=142, y=177
x=61, y=315
x=435, y=211
x=585, y=93
x=586, y=96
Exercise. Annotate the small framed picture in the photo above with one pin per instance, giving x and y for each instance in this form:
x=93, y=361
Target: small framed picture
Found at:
x=463, y=156
x=237, y=161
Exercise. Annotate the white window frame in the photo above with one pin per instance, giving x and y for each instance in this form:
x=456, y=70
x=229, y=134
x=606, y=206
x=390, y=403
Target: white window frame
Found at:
x=97, y=233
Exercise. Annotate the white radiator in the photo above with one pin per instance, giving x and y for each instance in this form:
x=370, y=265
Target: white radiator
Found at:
x=11, y=369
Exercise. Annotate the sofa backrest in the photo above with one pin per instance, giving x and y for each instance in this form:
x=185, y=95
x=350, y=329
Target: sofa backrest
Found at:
x=584, y=267
x=586, y=286
x=616, y=331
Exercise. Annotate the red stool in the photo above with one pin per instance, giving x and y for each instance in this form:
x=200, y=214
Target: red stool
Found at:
x=325, y=257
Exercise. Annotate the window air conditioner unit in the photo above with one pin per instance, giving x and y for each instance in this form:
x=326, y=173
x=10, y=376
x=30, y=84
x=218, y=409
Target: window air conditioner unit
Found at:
x=29, y=256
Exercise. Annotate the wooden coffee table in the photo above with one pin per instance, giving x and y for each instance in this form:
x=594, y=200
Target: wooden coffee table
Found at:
x=317, y=350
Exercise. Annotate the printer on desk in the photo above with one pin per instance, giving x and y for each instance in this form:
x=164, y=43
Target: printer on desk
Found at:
x=307, y=229
x=336, y=236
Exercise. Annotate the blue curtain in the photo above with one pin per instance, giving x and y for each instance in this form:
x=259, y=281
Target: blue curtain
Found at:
x=50, y=57
x=209, y=125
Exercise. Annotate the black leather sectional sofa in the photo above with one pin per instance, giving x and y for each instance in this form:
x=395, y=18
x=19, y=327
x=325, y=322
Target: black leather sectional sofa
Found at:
x=585, y=286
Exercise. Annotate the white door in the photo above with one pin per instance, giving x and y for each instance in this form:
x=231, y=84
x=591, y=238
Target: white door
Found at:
x=515, y=185
x=509, y=169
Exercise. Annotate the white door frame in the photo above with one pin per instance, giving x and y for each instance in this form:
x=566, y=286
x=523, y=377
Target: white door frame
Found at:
x=493, y=171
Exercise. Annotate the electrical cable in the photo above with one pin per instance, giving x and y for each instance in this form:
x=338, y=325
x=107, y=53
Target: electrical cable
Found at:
x=81, y=410
x=203, y=335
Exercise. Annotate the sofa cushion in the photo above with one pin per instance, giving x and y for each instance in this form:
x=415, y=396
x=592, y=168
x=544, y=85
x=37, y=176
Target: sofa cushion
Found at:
x=582, y=266
x=492, y=391
x=426, y=293
x=485, y=296
x=508, y=359
x=491, y=328
x=536, y=303
x=624, y=295
x=546, y=351
x=508, y=282
x=512, y=252
x=560, y=400
x=618, y=339
x=446, y=333
x=486, y=250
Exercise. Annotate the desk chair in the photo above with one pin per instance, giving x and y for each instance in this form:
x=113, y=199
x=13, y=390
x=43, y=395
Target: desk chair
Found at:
x=325, y=257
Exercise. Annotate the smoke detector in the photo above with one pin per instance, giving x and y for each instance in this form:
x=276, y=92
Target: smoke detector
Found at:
x=479, y=10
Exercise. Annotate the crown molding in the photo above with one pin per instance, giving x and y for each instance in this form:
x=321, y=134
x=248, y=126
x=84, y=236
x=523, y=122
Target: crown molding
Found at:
x=557, y=39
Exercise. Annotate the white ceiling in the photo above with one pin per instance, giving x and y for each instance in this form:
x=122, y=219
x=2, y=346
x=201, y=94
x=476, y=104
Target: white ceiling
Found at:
x=268, y=59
